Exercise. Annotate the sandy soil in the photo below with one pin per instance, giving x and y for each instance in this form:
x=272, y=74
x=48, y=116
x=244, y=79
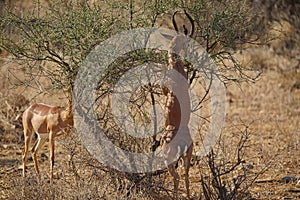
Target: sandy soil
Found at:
x=270, y=107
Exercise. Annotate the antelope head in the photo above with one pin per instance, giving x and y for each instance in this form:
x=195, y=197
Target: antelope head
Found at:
x=180, y=41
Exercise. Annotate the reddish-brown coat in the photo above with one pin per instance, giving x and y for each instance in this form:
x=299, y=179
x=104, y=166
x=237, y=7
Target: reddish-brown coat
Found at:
x=177, y=112
x=45, y=120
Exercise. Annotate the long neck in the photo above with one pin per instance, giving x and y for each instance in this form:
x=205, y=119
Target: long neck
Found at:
x=68, y=111
x=175, y=61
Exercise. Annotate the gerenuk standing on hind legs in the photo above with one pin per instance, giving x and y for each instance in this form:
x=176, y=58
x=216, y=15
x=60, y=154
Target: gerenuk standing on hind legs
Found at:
x=176, y=138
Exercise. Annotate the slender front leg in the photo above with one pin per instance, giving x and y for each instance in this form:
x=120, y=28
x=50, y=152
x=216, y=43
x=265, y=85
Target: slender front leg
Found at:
x=51, y=147
x=37, y=146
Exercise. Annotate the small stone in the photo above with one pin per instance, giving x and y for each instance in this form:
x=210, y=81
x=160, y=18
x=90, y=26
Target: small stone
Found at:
x=288, y=179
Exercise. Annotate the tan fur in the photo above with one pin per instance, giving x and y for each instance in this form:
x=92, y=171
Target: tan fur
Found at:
x=177, y=114
x=47, y=122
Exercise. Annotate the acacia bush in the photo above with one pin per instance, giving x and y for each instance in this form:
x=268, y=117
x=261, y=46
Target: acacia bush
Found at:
x=51, y=41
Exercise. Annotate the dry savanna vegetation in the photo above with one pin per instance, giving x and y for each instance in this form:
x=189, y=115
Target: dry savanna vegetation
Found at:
x=256, y=46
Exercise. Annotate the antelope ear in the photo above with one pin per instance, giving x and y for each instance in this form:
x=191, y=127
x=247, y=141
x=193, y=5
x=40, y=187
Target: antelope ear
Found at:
x=168, y=37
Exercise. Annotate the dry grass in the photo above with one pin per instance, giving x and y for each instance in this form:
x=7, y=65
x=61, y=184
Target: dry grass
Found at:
x=270, y=108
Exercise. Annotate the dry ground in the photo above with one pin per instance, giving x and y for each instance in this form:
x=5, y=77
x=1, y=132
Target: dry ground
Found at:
x=270, y=107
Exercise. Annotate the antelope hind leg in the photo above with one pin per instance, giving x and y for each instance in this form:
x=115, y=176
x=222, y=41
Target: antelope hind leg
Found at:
x=187, y=163
x=27, y=141
x=174, y=174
